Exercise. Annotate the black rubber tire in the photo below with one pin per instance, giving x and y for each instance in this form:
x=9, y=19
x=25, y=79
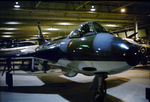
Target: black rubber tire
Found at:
x=100, y=94
x=98, y=97
x=9, y=79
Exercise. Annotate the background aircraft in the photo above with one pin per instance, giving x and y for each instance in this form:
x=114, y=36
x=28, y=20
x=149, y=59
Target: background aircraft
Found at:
x=89, y=49
x=145, y=48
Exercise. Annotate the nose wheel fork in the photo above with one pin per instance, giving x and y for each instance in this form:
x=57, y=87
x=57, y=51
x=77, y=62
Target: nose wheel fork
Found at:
x=99, y=87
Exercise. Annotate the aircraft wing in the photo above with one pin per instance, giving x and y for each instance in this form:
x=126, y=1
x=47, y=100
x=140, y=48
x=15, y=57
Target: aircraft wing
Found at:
x=51, y=53
x=18, y=51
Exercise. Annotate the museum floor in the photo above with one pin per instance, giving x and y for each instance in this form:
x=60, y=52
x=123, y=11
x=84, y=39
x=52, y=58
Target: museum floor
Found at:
x=54, y=87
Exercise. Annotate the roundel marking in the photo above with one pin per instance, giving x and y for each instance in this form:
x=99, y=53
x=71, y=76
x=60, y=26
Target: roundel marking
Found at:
x=70, y=43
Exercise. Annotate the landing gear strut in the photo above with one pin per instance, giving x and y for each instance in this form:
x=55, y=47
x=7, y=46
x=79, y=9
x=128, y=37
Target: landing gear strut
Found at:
x=99, y=87
x=9, y=76
x=9, y=79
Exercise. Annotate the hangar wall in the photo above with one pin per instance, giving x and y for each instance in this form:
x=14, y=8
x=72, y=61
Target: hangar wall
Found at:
x=122, y=34
x=141, y=33
x=148, y=34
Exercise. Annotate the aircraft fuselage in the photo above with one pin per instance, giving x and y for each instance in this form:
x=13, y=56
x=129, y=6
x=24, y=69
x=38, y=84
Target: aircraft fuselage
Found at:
x=102, y=52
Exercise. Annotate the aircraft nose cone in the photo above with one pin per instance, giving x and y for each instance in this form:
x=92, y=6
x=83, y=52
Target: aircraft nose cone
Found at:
x=132, y=56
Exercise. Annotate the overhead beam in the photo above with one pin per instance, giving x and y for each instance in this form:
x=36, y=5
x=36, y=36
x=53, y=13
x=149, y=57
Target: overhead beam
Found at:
x=58, y=12
x=70, y=15
x=129, y=28
x=82, y=5
x=64, y=18
x=123, y=6
x=37, y=4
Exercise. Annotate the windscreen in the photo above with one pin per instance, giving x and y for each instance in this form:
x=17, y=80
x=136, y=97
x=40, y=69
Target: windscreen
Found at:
x=98, y=27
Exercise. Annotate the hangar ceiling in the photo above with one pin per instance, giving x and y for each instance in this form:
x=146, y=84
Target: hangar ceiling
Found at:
x=58, y=18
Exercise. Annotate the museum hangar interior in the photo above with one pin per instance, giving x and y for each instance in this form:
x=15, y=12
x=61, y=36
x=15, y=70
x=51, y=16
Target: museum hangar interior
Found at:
x=19, y=22
x=59, y=18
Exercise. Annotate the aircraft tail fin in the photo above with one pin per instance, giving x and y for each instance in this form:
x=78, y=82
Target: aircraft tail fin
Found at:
x=41, y=37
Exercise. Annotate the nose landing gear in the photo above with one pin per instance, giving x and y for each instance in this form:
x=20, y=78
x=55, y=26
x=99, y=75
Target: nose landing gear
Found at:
x=99, y=87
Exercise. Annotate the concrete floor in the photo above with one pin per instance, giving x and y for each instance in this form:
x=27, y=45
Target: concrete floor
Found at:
x=54, y=87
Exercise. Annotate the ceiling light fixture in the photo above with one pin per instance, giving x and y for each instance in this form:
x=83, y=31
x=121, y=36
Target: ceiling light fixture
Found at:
x=12, y=22
x=8, y=28
x=92, y=9
x=46, y=33
x=111, y=25
x=7, y=32
x=17, y=5
x=123, y=10
x=65, y=23
x=53, y=29
x=6, y=36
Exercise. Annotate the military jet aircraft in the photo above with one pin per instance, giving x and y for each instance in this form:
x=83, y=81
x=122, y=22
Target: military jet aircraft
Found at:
x=89, y=49
x=145, y=48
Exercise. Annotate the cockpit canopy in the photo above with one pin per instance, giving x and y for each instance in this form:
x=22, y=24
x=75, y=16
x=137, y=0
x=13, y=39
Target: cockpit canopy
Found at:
x=87, y=28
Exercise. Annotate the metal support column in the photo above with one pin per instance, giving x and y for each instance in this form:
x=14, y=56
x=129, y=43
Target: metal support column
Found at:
x=126, y=34
x=32, y=64
x=136, y=28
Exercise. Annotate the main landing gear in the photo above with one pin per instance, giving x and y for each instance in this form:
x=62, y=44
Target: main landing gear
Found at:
x=9, y=76
x=99, y=87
